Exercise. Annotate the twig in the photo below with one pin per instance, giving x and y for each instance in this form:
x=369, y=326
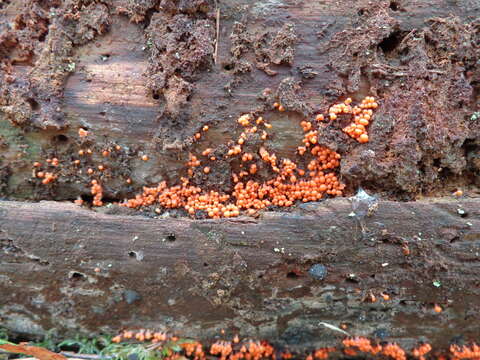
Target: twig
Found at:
x=406, y=38
x=387, y=70
x=73, y=355
x=154, y=346
x=384, y=73
x=218, y=33
x=334, y=328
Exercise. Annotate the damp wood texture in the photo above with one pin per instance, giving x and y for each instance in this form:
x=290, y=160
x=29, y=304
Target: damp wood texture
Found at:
x=276, y=277
x=100, y=99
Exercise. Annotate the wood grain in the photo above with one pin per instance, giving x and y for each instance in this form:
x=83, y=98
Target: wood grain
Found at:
x=245, y=274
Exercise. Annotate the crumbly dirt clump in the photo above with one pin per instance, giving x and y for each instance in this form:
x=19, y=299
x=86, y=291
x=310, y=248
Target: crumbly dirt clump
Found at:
x=424, y=135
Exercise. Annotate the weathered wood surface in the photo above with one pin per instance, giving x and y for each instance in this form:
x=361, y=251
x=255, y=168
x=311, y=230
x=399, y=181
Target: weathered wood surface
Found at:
x=423, y=71
x=247, y=275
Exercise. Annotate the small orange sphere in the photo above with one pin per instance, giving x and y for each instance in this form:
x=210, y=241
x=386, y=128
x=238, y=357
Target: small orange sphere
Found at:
x=116, y=339
x=82, y=132
x=363, y=138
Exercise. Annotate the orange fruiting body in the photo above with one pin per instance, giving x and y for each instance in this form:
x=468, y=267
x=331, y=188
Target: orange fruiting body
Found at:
x=362, y=116
x=261, y=179
x=82, y=132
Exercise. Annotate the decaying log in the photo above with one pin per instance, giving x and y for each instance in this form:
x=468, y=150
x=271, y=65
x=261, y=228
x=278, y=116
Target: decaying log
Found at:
x=143, y=77
x=88, y=272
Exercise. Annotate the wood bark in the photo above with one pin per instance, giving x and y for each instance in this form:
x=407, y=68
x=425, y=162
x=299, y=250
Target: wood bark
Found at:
x=80, y=271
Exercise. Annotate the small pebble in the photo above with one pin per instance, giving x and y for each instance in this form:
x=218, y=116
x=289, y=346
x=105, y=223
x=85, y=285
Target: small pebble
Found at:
x=131, y=296
x=381, y=334
x=318, y=271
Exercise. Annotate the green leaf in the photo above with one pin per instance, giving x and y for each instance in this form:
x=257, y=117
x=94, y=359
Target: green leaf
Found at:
x=176, y=348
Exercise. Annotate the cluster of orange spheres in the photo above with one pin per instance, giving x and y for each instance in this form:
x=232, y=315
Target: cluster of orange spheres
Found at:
x=321, y=354
x=97, y=192
x=263, y=180
x=465, y=352
x=290, y=183
x=46, y=176
x=391, y=350
x=362, y=344
x=362, y=116
x=141, y=335
x=247, y=349
x=54, y=164
x=421, y=351
x=221, y=349
x=283, y=190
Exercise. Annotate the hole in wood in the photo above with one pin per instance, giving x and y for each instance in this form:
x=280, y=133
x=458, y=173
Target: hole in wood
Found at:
x=60, y=138
x=394, y=5
x=391, y=42
x=75, y=275
x=34, y=105
x=292, y=275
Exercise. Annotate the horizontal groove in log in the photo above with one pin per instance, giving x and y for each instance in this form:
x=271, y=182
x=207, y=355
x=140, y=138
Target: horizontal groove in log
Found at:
x=79, y=270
